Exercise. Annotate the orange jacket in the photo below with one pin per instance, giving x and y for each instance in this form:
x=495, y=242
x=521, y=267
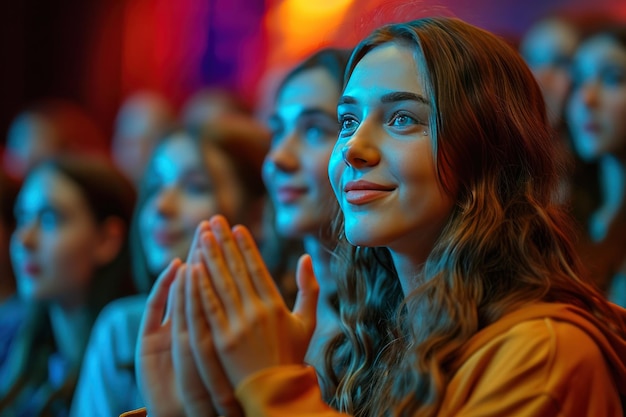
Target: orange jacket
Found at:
x=541, y=360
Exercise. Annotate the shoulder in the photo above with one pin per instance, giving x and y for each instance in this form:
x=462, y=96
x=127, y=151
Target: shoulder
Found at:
x=118, y=324
x=122, y=312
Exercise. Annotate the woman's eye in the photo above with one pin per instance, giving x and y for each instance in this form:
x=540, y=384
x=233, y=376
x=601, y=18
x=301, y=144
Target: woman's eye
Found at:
x=50, y=219
x=402, y=120
x=197, y=187
x=314, y=132
x=348, y=124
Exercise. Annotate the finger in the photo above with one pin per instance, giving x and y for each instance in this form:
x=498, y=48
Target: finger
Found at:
x=308, y=291
x=209, y=366
x=195, y=243
x=157, y=300
x=179, y=323
x=253, y=264
x=232, y=257
x=212, y=306
x=219, y=277
x=262, y=281
x=180, y=274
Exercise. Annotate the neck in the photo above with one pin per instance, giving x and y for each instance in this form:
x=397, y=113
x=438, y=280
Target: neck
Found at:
x=71, y=331
x=320, y=255
x=613, y=183
x=409, y=267
x=613, y=196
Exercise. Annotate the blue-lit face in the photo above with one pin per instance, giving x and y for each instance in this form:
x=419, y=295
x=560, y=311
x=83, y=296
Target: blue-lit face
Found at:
x=597, y=106
x=548, y=49
x=304, y=128
x=182, y=193
x=54, y=246
x=382, y=168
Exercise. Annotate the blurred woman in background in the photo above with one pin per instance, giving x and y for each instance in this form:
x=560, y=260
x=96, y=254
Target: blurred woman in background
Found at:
x=190, y=177
x=70, y=256
x=597, y=119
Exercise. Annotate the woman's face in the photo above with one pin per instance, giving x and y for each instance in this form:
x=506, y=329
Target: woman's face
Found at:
x=382, y=167
x=55, y=244
x=548, y=50
x=597, y=106
x=295, y=171
x=181, y=193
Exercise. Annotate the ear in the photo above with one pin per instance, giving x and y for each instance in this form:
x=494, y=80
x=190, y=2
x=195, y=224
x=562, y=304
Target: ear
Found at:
x=112, y=238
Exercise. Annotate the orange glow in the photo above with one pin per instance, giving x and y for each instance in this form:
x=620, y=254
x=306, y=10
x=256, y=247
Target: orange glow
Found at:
x=298, y=27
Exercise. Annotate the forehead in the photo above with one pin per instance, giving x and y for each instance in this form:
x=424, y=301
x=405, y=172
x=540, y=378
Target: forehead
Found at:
x=311, y=88
x=176, y=153
x=599, y=51
x=386, y=68
x=46, y=186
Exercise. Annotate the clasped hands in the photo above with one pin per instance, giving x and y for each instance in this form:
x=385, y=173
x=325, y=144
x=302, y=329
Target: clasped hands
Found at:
x=216, y=319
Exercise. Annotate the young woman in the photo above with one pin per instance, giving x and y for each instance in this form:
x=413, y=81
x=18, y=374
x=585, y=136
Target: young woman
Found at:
x=70, y=257
x=444, y=169
x=189, y=178
x=304, y=129
x=596, y=116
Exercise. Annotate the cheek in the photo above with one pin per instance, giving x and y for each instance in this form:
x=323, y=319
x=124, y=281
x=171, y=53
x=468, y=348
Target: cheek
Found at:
x=196, y=209
x=145, y=219
x=336, y=166
x=68, y=257
x=317, y=168
x=267, y=173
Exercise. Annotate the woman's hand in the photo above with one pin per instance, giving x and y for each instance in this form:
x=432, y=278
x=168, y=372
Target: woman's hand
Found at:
x=206, y=364
x=153, y=358
x=251, y=326
x=195, y=398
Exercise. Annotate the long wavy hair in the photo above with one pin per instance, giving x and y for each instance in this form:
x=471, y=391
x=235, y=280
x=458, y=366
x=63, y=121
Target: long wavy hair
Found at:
x=506, y=242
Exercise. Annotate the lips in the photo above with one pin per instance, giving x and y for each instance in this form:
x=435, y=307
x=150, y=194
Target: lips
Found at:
x=363, y=192
x=166, y=237
x=591, y=127
x=31, y=268
x=289, y=194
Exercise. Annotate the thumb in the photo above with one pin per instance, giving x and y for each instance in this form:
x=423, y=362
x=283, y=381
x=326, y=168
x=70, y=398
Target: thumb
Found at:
x=308, y=291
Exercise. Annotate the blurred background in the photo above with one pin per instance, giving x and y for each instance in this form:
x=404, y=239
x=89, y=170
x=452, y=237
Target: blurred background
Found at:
x=99, y=51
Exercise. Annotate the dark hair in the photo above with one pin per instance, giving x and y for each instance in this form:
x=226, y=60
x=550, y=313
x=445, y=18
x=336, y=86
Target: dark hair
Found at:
x=9, y=188
x=8, y=193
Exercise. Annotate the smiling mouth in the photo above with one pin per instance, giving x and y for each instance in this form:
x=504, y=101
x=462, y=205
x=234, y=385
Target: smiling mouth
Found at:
x=359, y=197
x=363, y=192
x=287, y=195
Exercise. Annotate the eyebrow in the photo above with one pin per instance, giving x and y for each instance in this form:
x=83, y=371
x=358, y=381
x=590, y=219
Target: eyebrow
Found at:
x=310, y=112
x=390, y=98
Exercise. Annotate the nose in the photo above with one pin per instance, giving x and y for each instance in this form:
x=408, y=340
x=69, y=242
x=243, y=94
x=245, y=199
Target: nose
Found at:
x=26, y=235
x=166, y=203
x=589, y=94
x=284, y=154
x=361, y=150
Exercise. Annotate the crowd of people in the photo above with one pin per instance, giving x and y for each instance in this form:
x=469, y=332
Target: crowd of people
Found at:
x=430, y=224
